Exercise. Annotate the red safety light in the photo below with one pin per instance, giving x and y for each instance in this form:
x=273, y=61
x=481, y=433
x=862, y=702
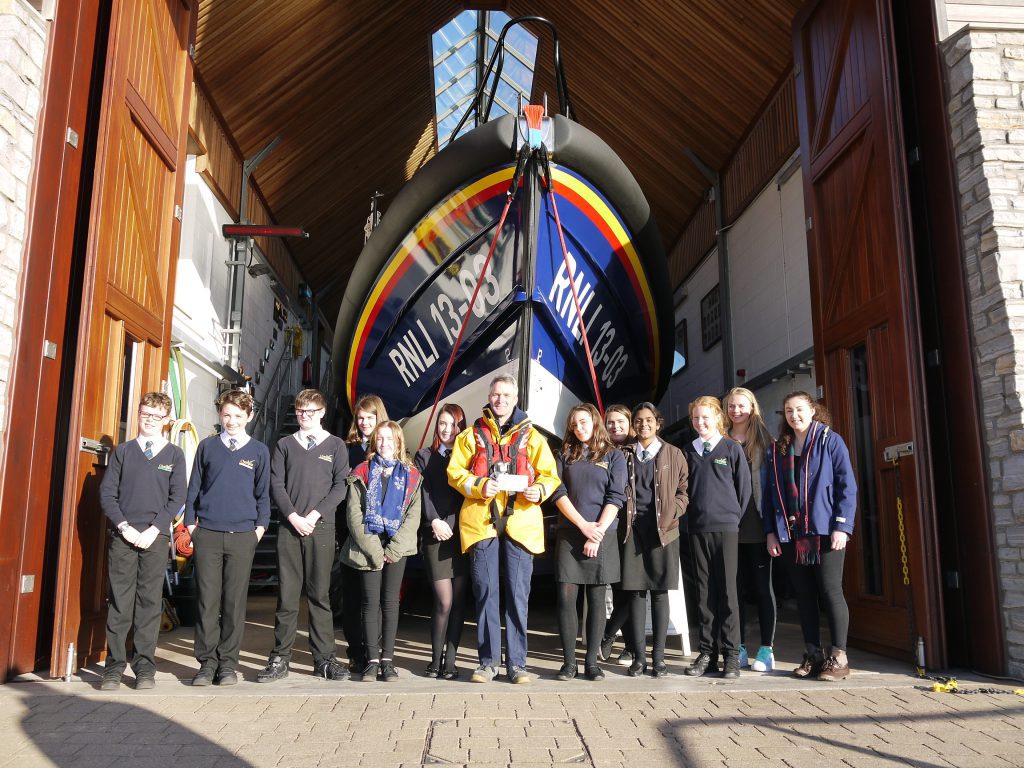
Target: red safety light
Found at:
x=262, y=230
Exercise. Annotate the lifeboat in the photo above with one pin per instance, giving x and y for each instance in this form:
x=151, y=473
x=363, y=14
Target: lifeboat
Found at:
x=524, y=247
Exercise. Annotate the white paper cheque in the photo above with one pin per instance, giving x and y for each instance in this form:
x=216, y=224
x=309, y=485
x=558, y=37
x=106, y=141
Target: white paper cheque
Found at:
x=512, y=483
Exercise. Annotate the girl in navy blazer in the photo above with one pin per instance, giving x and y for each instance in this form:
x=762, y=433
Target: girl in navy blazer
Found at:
x=810, y=502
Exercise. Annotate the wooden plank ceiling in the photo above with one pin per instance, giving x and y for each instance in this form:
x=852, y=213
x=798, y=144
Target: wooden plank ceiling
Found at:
x=347, y=86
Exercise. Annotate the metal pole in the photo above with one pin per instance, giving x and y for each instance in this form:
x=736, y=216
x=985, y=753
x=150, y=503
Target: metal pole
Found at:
x=239, y=254
x=724, y=304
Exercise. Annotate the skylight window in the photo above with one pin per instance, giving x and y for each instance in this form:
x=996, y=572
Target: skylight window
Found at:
x=460, y=52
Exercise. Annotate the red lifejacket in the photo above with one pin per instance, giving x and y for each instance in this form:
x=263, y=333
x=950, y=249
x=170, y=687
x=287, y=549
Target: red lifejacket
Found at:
x=513, y=452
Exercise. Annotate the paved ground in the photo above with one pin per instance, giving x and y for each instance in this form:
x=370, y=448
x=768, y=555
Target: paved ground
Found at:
x=880, y=716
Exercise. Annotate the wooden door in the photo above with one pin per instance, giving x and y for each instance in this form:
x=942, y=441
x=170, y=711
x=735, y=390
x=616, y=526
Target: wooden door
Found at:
x=134, y=227
x=864, y=311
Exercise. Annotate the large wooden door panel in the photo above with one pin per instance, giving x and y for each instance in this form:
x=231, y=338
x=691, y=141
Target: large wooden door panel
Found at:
x=133, y=240
x=864, y=308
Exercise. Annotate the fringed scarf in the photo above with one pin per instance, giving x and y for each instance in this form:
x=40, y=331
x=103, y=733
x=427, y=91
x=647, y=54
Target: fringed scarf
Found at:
x=384, y=499
x=808, y=545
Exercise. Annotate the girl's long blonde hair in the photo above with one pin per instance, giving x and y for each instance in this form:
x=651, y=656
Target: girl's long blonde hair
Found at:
x=759, y=439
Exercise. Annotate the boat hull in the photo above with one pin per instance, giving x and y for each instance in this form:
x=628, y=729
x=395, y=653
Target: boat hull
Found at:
x=407, y=306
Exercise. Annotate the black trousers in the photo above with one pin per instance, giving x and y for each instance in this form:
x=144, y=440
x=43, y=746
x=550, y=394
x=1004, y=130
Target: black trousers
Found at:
x=135, y=600
x=715, y=557
x=754, y=582
x=304, y=560
x=381, y=590
x=223, y=564
x=825, y=580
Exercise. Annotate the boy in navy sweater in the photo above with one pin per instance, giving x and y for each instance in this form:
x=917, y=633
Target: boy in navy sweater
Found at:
x=227, y=512
x=719, y=493
x=141, y=491
x=307, y=483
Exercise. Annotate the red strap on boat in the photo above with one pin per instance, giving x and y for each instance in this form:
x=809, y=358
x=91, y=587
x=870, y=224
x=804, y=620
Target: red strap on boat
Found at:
x=534, y=114
x=572, y=284
x=510, y=196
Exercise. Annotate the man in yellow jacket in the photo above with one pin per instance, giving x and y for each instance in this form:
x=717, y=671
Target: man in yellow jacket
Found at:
x=505, y=469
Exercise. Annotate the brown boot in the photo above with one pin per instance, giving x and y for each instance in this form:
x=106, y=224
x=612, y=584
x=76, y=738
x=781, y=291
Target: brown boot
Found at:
x=836, y=666
x=812, y=664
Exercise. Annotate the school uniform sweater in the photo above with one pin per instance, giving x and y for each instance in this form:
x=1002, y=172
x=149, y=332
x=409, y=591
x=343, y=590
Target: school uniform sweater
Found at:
x=143, y=492
x=302, y=479
x=440, y=501
x=228, y=490
x=591, y=486
x=719, y=487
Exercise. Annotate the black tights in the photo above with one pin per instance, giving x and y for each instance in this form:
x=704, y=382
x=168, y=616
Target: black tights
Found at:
x=638, y=622
x=447, y=621
x=569, y=623
x=824, y=579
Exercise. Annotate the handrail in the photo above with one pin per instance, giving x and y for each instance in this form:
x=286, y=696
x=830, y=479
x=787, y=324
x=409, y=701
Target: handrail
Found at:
x=273, y=395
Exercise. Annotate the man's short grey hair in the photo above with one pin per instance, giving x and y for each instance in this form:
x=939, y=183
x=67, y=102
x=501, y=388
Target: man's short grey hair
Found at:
x=504, y=378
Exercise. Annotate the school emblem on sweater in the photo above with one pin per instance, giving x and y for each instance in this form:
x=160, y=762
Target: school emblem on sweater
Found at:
x=722, y=462
x=326, y=457
x=165, y=467
x=247, y=463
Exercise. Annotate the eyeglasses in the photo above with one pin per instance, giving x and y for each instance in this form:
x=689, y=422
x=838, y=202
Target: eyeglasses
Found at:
x=300, y=412
x=146, y=416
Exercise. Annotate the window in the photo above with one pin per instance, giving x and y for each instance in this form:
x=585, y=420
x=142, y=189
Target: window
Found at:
x=460, y=51
x=681, y=355
x=710, y=320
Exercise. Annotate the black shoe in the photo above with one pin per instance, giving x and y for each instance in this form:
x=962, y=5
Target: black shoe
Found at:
x=637, y=669
x=370, y=671
x=731, y=668
x=700, y=665
x=226, y=676
x=111, y=680
x=144, y=681
x=204, y=676
x=276, y=669
x=331, y=669
x=567, y=672
x=449, y=673
x=659, y=669
x=388, y=673
x=606, y=648
x=594, y=673
x=433, y=670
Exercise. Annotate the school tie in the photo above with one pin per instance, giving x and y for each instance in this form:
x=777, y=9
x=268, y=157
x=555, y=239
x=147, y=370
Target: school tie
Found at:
x=310, y=442
x=149, y=449
x=707, y=449
x=232, y=444
x=644, y=456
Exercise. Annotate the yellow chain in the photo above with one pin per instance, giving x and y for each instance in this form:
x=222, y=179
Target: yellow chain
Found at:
x=903, y=536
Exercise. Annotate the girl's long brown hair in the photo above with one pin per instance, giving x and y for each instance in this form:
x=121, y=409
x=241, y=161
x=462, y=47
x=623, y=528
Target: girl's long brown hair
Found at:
x=786, y=433
x=759, y=439
x=599, y=444
x=456, y=412
x=370, y=404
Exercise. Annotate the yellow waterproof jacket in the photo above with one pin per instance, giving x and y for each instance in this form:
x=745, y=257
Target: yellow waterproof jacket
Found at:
x=526, y=524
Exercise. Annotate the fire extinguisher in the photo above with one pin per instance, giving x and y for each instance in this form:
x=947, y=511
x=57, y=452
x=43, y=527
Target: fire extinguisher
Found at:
x=307, y=372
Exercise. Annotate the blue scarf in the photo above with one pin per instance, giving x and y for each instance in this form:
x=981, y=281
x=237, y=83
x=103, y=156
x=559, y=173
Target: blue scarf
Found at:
x=384, y=499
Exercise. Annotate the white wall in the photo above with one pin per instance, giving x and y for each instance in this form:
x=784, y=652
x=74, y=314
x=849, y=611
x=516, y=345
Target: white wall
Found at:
x=770, y=305
x=769, y=283
x=201, y=310
x=703, y=374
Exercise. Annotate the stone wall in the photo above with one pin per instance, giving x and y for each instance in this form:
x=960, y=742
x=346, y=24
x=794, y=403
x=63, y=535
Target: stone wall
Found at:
x=986, y=110
x=23, y=36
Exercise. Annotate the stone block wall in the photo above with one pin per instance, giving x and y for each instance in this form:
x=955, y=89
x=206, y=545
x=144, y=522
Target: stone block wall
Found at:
x=23, y=36
x=985, y=77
